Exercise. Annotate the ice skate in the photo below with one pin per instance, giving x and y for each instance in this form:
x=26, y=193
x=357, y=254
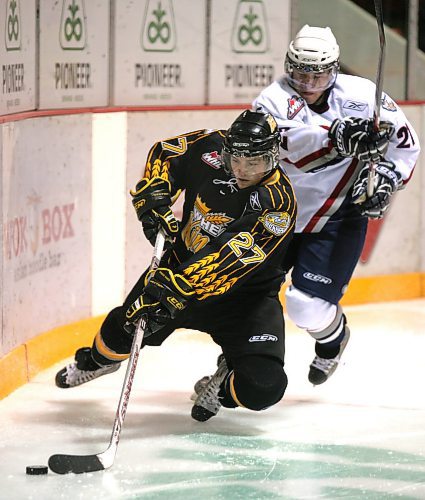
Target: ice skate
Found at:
x=82, y=370
x=321, y=368
x=202, y=382
x=207, y=403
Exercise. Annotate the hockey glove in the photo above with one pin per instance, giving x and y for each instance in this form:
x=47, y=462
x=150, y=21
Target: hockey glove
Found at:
x=164, y=296
x=152, y=201
x=387, y=181
x=155, y=219
x=354, y=137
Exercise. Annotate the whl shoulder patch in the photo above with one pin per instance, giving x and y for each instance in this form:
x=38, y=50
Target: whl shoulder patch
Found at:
x=295, y=105
x=212, y=159
x=276, y=223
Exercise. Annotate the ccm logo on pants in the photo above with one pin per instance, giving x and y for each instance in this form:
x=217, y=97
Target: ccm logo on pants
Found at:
x=263, y=338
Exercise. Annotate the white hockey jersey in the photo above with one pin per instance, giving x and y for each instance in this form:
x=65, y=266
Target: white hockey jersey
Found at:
x=321, y=178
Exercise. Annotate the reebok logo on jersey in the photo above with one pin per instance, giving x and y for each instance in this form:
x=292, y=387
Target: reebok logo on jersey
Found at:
x=295, y=105
x=276, y=223
x=265, y=337
x=212, y=159
x=255, y=202
x=317, y=278
x=355, y=105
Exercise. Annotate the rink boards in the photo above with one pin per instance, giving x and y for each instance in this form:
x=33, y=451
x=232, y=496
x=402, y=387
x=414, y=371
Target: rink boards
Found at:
x=72, y=248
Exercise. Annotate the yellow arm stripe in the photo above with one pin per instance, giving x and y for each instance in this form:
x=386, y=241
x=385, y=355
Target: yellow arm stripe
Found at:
x=279, y=192
x=106, y=352
x=271, y=195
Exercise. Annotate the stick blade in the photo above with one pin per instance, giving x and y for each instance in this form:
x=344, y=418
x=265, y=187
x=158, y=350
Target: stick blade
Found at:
x=75, y=464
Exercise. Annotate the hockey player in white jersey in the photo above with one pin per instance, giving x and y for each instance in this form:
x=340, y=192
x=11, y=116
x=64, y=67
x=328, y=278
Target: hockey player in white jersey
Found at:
x=327, y=140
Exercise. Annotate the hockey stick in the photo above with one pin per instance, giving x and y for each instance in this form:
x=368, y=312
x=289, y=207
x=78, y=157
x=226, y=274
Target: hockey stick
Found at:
x=378, y=91
x=78, y=464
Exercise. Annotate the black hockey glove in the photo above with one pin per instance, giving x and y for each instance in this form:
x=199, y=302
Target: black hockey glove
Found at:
x=164, y=296
x=354, y=137
x=387, y=181
x=152, y=201
x=155, y=219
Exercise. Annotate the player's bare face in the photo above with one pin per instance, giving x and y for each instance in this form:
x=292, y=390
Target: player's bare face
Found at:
x=311, y=85
x=248, y=171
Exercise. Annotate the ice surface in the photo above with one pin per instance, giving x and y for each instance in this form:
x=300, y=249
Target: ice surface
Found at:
x=360, y=435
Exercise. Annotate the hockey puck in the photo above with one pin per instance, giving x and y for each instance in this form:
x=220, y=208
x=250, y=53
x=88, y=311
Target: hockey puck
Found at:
x=37, y=470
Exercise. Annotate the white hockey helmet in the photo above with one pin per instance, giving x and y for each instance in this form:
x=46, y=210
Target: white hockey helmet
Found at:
x=313, y=50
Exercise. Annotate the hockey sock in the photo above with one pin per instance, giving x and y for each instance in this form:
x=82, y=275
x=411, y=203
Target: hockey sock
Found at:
x=329, y=350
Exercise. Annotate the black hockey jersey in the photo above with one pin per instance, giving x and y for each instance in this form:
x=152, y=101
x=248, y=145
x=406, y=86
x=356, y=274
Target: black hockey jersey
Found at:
x=230, y=238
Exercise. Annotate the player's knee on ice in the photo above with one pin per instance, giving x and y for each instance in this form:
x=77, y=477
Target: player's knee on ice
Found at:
x=257, y=382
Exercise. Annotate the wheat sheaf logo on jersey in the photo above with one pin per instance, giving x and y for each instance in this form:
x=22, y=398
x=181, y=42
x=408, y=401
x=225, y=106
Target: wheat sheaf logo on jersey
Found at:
x=295, y=105
x=213, y=159
x=202, y=225
x=276, y=223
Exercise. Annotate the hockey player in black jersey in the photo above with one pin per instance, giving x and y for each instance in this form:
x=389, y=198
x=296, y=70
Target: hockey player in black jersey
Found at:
x=223, y=269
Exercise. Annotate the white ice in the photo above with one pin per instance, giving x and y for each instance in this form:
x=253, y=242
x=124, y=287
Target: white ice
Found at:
x=360, y=435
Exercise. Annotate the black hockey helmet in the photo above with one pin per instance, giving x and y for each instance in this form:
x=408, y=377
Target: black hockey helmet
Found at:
x=252, y=134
